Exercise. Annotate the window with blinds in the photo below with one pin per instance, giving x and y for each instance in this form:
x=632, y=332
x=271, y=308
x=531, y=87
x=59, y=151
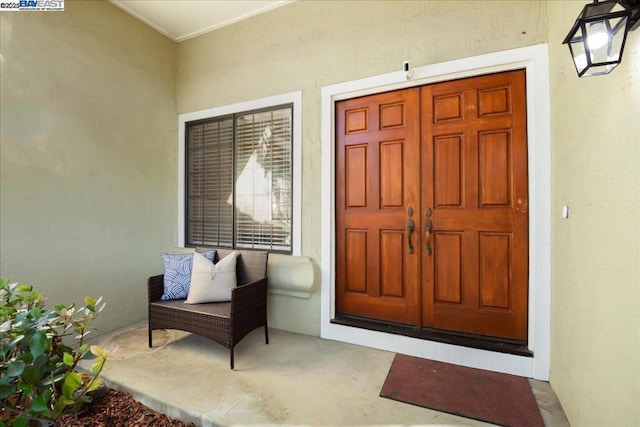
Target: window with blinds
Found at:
x=239, y=180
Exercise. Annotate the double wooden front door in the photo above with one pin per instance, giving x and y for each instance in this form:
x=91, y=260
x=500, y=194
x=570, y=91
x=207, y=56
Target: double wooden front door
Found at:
x=432, y=206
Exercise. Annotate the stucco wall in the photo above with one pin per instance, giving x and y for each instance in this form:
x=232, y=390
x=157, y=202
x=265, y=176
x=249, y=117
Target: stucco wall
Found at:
x=88, y=156
x=88, y=153
x=307, y=45
x=595, y=346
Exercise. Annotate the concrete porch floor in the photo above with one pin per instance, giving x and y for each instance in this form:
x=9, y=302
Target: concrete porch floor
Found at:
x=295, y=380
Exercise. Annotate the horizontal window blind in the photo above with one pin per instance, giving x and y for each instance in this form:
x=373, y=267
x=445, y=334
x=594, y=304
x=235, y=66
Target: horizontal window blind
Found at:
x=239, y=180
x=210, y=183
x=263, y=180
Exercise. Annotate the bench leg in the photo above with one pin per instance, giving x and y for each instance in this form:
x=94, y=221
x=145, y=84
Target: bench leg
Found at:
x=231, y=358
x=266, y=333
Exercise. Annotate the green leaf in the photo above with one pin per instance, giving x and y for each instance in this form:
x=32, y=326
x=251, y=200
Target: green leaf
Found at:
x=7, y=390
x=62, y=349
x=36, y=313
x=90, y=301
x=56, y=379
x=67, y=359
x=38, y=343
x=14, y=369
x=63, y=401
x=74, y=378
x=72, y=382
x=26, y=389
x=31, y=374
x=20, y=422
x=17, y=340
x=25, y=288
x=97, y=367
x=96, y=350
x=40, y=403
x=97, y=382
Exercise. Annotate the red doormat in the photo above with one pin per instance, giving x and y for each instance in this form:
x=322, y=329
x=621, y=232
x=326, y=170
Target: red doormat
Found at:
x=502, y=399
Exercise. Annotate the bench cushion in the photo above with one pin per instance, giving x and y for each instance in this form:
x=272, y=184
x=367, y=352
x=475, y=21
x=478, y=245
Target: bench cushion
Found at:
x=218, y=309
x=177, y=274
x=212, y=283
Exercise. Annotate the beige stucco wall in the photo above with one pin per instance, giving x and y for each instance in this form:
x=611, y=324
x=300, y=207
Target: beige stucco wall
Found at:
x=88, y=154
x=595, y=323
x=306, y=45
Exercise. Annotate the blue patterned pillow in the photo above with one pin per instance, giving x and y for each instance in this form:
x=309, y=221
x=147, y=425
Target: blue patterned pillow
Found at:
x=177, y=274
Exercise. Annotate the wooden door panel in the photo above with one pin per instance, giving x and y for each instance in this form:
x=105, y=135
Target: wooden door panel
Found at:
x=356, y=179
x=494, y=101
x=392, y=115
x=495, y=270
x=474, y=177
x=391, y=263
x=448, y=268
x=356, y=120
x=391, y=174
x=356, y=257
x=448, y=169
x=377, y=179
x=494, y=168
x=448, y=107
x=455, y=219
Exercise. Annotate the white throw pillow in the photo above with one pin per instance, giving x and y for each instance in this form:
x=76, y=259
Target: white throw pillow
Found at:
x=212, y=283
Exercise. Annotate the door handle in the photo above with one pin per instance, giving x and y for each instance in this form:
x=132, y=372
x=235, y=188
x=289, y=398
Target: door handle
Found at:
x=428, y=229
x=410, y=227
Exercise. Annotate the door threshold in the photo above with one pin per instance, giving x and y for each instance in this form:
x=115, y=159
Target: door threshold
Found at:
x=518, y=348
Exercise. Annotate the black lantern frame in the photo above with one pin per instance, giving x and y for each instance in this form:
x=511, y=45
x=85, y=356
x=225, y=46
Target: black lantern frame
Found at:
x=596, y=40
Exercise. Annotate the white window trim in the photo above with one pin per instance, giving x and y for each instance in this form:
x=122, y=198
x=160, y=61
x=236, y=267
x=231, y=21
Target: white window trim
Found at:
x=536, y=62
x=294, y=98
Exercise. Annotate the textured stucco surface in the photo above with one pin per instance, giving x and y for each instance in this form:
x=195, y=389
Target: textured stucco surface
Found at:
x=88, y=150
x=595, y=318
x=307, y=45
x=88, y=155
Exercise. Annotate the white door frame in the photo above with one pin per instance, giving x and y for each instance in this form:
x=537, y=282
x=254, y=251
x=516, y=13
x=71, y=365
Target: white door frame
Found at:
x=536, y=62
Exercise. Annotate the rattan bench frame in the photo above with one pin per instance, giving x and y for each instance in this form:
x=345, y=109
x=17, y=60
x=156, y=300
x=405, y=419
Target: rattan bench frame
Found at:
x=223, y=322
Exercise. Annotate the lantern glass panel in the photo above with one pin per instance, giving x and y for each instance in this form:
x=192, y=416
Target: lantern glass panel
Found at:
x=618, y=35
x=605, y=39
x=578, y=52
x=596, y=70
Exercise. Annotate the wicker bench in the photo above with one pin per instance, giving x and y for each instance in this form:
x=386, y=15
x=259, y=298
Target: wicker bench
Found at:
x=224, y=322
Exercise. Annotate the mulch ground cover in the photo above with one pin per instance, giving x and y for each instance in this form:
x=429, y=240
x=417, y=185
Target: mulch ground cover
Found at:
x=116, y=408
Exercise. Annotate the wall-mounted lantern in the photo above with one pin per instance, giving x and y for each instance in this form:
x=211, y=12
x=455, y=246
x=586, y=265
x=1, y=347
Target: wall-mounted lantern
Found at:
x=597, y=38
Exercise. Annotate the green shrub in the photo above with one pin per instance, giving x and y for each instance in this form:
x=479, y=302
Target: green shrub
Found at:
x=39, y=376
